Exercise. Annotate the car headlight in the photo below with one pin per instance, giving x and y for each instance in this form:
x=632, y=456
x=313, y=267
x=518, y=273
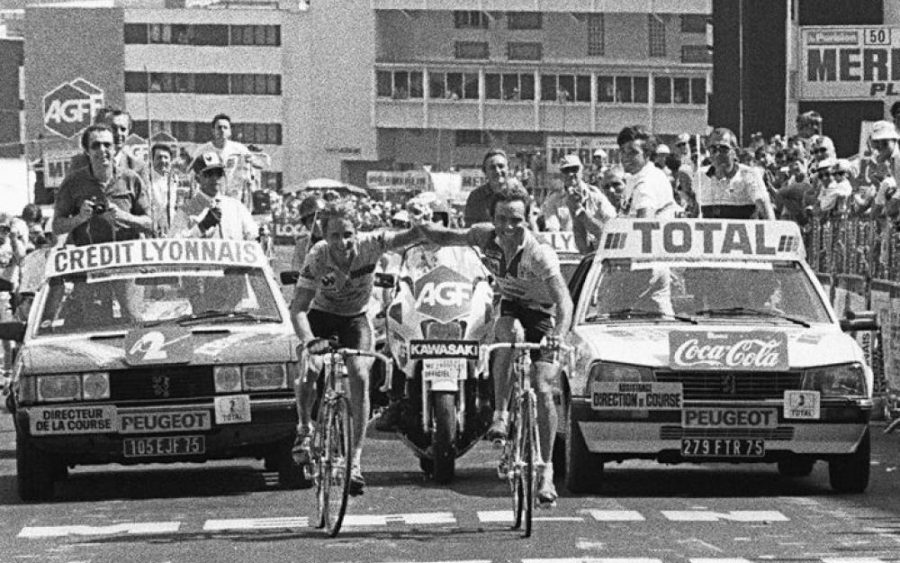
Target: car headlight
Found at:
x=95, y=385
x=836, y=381
x=227, y=379
x=264, y=377
x=56, y=388
x=434, y=330
x=619, y=373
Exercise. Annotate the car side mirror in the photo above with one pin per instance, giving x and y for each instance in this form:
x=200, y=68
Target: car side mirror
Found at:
x=859, y=320
x=385, y=281
x=12, y=330
x=290, y=277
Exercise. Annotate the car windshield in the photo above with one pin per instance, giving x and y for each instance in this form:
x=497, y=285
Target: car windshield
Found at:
x=125, y=298
x=770, y=291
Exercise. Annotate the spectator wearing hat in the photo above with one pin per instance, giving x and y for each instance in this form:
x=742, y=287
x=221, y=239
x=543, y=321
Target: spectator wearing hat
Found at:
x=822, y=147
x=495, y=165
x=579, y=207
x=210, y=213
x=310, y=232
x=834, y=177
x=613, y=187
x=728, y=189
x=884, y=143
x=648, y=192
x=660, y=156
x=809, y=123
x=682, y=146
x=599, y=165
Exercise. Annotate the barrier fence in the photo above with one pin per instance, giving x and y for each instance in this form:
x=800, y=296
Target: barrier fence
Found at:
x=858, y=261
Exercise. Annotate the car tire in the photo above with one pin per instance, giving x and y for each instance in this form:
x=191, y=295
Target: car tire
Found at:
x=35, y=471
x=584, y=469
x=795, y=467
x=850, y=473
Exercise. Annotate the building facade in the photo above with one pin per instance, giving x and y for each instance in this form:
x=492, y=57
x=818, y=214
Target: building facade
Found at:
x=332, y=90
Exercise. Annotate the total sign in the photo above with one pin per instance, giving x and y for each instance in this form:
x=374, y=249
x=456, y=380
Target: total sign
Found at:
x=70, y=108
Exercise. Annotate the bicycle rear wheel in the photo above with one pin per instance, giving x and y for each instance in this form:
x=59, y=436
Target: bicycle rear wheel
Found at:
x=528, y=470
x=336, y=469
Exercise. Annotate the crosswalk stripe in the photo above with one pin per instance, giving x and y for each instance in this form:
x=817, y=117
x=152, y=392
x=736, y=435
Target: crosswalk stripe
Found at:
x=615, y=515
x=131, y=528
x=506, y=516
x=595, y=560
x=852, y=560
x=734, y=516
x=255, y=524
x=719, y=560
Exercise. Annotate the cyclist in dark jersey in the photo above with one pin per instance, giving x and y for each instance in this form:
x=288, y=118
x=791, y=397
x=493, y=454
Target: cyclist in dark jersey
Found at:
x=533, y=292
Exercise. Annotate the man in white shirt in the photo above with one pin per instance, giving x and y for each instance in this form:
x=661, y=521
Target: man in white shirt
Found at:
x=210, y=214
x=231, y=153
x=648, y=192
x=728, y=189
x=579, y=207
x=163, y=189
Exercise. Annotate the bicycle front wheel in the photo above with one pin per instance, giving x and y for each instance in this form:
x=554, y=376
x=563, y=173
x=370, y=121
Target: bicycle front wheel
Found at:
x=513, y=458
x=336, y=466
x=528, y=446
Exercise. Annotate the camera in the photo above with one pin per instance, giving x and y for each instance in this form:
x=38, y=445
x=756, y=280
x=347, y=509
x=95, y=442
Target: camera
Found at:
x=5, y=229
x=99, y=207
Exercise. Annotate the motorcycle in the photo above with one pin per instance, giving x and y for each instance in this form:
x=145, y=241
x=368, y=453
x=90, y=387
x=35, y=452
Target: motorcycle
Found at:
x=440, y=312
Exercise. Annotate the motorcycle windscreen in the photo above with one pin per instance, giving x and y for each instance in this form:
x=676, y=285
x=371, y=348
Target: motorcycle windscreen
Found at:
x=445, y=285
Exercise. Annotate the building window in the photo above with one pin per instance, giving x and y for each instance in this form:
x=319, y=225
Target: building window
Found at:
x=512, y=87
x=160, y=33
x=657, y=35
x=698, y=91
x=256, y=84
x=662, y=90
x=516, y=51
x=453, y=85
x=595, y=39
x=470, y=19
x=693, y=23
x=256, y=35
x=211, y=83
x=681, y=91
x=524, y=20
x=466, y=138
x=212, y=35
x=526, y=138
x=623, y=89
x=383, y=84
x=606, y=89
x=399, y=85
x=136, y=34
x=641, y=89
x=548, y=88
x=583, y=88
x=471, y=50
x=437, y=85
x=135, y=81
x=270, y=180
x=695, y=54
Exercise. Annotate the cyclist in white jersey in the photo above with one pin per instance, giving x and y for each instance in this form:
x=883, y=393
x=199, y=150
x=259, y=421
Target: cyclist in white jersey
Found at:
x=330, y=303
x=533, y=292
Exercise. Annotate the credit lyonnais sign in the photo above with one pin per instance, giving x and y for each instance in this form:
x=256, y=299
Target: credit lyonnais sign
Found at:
x=849, y=63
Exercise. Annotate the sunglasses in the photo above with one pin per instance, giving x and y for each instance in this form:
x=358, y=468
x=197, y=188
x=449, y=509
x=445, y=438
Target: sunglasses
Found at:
x=719, y=149
x=214, y=173
x=681, y=144
x=820, y=149
x=613, y=184
x=570, y=170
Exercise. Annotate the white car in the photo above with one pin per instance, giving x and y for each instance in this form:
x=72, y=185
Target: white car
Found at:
x=711, y=341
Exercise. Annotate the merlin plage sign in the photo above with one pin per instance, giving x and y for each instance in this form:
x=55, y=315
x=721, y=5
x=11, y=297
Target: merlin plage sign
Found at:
x=70, y=107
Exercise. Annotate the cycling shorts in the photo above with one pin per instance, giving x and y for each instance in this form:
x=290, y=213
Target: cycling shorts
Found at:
x=536, y=324
x=351, y=332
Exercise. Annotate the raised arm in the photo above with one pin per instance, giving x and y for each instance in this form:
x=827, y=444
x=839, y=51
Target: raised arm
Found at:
x=443, y=236
x=403, y=238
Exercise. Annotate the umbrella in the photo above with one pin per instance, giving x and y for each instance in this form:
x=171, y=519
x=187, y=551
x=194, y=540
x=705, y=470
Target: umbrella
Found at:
x=321, y=184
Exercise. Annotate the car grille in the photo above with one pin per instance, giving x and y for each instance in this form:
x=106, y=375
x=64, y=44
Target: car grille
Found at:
x=677, y=433
x=732, y=385
x=161, y=383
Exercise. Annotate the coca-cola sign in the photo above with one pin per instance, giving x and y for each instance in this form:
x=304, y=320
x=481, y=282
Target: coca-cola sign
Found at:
x=744, y=351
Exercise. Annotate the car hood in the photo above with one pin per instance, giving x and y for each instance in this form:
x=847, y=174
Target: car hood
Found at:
x=73, y=353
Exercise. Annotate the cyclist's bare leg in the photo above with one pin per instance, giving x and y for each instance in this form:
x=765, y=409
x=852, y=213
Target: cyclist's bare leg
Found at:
x=305, y=390
x=358, y=369
x=505, y=330
x=543, y=374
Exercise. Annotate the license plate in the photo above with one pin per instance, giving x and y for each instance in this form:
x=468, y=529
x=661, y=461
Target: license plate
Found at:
x=443, y=369
x=722, y=447
x=160, y=446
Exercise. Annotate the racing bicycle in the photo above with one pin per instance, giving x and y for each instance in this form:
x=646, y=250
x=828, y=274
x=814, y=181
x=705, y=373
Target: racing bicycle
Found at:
x=521, y=456
x=332, y=439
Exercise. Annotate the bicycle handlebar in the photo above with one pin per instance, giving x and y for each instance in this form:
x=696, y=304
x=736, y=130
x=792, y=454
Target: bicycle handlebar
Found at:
x=353, y=352
x=485, y=350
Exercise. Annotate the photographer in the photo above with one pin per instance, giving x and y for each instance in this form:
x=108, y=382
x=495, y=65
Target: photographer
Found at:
x=100, y=203
x=579, y=207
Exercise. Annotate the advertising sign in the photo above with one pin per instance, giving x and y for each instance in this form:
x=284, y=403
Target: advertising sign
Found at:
x=56, y=166
x=410, y=180
x=849, y=63
x=70, y=107
x=560, y=145
x=750, y=351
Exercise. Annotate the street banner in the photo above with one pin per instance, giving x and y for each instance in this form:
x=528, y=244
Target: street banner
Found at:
x=849, y=62
x=386, y=179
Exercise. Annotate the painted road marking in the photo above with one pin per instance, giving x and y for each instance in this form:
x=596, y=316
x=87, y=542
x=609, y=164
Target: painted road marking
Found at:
x=132, y=528
x=733, y=516
x=255, y=524
x=506, y=517
x=615, y=515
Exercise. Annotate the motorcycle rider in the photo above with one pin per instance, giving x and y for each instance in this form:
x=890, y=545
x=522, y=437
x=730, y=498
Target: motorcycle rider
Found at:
x=533, y=292
x=330, y=302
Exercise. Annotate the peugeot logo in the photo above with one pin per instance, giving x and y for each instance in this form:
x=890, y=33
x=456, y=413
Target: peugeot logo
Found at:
x=161, y=386
x=729, y=384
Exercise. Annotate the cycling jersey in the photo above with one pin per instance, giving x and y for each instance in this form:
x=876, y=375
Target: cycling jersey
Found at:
x=339, y=291
x=524, y=278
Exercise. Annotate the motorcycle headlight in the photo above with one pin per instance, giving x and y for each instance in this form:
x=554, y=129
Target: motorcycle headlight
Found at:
x=56, y=388
x=95, y=385
x=227, y=379
x=264, y=377
x=434, y=330
x=619, y=373
x=847, y=380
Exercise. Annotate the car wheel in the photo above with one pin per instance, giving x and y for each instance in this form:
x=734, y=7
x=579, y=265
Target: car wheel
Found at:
x=584, y=469
x=34, y=471
x=850, y=473
x=796, y=467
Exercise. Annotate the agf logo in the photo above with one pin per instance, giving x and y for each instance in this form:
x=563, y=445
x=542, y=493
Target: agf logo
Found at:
x=70, y=108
